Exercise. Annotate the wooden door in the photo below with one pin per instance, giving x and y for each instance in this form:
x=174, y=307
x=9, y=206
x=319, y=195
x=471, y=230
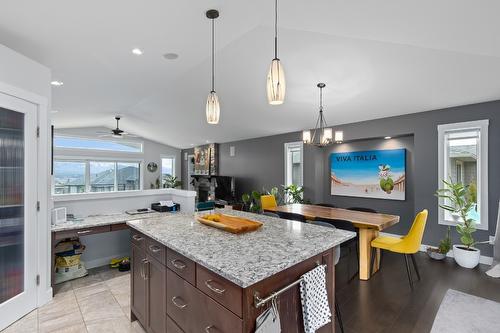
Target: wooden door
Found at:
x=156, y=275
x=138, y=284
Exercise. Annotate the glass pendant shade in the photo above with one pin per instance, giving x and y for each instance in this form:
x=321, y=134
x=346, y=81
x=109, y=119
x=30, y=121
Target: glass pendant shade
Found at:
x=327, y=136
x=276, y=83
x=213, y=108
x=306, y=136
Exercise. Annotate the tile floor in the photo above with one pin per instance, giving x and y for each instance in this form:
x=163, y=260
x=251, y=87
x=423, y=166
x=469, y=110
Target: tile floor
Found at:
x=99, y=302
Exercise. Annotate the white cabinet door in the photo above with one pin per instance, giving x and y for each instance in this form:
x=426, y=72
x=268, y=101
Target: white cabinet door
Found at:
x=18, y=192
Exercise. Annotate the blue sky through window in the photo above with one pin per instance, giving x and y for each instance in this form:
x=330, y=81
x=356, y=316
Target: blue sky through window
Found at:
x=82, y=143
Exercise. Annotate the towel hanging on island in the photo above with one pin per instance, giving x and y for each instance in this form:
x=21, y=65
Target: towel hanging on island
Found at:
x=314, y=296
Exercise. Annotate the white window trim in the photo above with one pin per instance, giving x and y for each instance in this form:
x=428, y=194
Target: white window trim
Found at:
x=287, y=145
x=87, y=159
x=173, y=164
x=482, y=173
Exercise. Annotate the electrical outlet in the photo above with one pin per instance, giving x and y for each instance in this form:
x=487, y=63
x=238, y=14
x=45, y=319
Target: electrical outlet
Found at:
x=492, y=239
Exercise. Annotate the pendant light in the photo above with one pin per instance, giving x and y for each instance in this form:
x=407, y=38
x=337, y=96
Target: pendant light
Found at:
x=213, y=106
x=322, y=135
x=276, y=76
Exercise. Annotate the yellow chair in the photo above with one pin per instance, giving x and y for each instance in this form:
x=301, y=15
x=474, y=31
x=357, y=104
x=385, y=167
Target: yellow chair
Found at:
x=406, y=245
x=268, y=201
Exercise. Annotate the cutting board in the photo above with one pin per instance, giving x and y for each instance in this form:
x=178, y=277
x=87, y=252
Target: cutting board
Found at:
x=230, y=223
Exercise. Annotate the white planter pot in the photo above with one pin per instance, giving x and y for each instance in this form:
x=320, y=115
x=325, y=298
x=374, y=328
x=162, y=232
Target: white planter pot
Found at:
x=466, y=258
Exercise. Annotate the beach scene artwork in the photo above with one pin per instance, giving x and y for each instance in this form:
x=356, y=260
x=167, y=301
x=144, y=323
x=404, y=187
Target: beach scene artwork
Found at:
x=376, y=174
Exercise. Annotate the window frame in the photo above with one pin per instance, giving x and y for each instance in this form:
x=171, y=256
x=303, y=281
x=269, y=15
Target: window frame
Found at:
x=87, y=160
x=482, y=167
x=287, y=146
x=173, y=164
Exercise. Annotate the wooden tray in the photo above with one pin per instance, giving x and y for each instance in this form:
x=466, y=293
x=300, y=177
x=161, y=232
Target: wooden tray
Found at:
x=230, y=223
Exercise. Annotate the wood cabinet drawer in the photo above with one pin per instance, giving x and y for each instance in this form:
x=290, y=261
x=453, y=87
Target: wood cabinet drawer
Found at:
x=138, y=239
x=119, y=226
x=223, y=291
x=182, y=301
x=172, y=326
x=181, y=265
x=81, y=232
x=156, y=250
x=195, y=312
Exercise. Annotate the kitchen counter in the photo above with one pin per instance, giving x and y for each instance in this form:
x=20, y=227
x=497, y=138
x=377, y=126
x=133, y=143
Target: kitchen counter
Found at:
x=101, y=220
x=243, y=259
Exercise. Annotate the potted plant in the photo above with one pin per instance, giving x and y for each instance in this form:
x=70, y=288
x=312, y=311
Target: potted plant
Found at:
x=458, y=200
x=251, y=202
x=439, y=253
x=293, y=193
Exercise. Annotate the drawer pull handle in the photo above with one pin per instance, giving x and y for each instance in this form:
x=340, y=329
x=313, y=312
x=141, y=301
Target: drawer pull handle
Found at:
x=208, y=328
x=154, y=248
x=137, y=238
x=180, y=306
x=179, y=264
x=209, y=285
x=83, y=232
x=145, y=265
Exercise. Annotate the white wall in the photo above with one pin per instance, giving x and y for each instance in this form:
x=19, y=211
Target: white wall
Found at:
x=152, y=151
x=31, y=81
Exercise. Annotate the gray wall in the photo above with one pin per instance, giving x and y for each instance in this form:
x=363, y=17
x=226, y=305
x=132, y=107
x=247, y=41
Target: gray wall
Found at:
x=260, y=162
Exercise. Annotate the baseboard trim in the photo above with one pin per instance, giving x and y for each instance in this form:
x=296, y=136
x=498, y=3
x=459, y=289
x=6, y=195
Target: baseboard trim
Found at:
x=423, y=248
x=104, y=261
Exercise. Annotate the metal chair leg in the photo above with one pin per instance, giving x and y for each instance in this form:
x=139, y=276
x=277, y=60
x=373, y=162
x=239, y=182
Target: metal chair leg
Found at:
x=408, y=270
x=415, y=265
x=339, y=316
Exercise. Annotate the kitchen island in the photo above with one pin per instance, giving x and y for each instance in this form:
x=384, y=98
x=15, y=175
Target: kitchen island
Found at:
x=188, y=277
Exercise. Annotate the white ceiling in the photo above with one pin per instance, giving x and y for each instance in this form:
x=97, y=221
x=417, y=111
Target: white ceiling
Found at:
x=378, y=59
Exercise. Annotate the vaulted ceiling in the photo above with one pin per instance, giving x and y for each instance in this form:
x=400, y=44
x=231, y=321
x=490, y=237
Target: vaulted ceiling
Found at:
x=378, y=59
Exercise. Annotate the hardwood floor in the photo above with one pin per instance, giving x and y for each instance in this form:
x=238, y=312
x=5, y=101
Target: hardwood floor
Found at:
x=386, y=303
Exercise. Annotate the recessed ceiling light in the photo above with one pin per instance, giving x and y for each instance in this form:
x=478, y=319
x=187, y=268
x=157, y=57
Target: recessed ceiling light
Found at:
x=170, y=56
x=57, y=83
x=137, y=51
x=207, y=141
x=388, y=137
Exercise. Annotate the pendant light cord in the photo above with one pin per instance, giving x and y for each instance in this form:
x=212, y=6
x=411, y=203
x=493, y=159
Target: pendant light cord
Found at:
x=276, y=29
x=213, y=54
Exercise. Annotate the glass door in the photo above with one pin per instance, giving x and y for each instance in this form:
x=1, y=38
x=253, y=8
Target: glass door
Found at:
x=18, y=187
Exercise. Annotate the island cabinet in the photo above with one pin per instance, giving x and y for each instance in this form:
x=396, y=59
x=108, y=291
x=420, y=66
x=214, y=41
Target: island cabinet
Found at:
x=171, y=293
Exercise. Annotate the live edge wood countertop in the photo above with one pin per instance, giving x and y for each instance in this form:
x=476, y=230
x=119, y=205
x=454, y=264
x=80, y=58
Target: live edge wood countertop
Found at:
x=243, y=259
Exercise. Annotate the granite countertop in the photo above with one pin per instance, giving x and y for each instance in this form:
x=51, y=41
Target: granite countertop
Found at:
x=100, y=220
x=248, y=258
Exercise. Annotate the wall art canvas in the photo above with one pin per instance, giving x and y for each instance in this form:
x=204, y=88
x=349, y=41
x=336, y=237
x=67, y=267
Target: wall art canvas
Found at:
x=376, y=174
x=205, y=159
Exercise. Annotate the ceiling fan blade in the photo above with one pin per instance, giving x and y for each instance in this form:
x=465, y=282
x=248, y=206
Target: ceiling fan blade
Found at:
x=131, y=135
x=105, y=135
x=101, y=132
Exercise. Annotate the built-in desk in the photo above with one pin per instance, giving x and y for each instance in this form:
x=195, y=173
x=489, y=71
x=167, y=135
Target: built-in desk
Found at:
x=95, y=224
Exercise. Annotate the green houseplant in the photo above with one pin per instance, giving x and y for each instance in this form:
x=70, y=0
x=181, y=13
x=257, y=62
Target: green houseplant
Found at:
x=439, y=253
x=293, y=193
x=251, y=202
x=458, y=199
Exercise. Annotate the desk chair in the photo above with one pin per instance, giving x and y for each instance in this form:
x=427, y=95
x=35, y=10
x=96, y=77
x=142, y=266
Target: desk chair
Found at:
x=407, y=245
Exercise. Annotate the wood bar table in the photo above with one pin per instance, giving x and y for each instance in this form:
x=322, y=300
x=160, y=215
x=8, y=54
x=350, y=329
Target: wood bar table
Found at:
x=369, y=225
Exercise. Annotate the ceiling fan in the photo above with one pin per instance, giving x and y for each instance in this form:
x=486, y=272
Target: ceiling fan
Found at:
x=117, y=132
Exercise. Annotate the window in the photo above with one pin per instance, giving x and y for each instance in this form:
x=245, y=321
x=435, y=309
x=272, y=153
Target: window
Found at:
x=293, y=163
x=167, y=167
x=463, y=158
x=69, y=177
x=84, y=176
x=68, y=142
